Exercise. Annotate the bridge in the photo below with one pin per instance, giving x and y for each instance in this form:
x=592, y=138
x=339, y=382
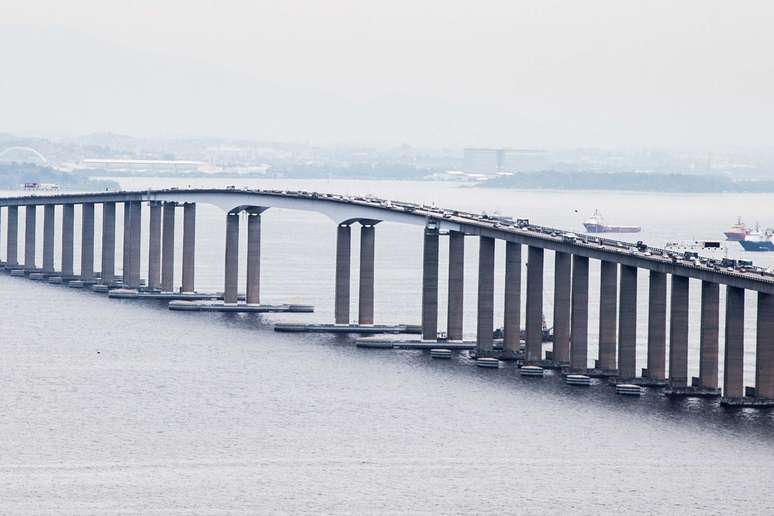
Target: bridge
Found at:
x=621, y=263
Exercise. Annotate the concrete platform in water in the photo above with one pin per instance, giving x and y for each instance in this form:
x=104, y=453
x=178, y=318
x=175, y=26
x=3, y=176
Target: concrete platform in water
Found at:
x=417, y=344
x=360, y=329
x=692, y=392
x=124, y=293
x=207, y=306
x=747, y=401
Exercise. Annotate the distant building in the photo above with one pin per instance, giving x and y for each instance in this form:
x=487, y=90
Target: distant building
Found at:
x=500, y=160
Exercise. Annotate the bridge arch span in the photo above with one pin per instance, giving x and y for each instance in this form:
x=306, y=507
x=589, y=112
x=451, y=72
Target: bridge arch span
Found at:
x=28, y=150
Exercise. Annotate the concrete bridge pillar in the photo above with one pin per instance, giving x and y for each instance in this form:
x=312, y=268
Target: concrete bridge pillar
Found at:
x=512, y=307
x=733, y=359
x=230, y=293
x=68, y=225
x=30, y=217
x=534, y=314
x=627, y=324
x=608, y=303
x=678, y=332
x=485, y=319
x=135, y=240
x=253, y=257
x=108, y=242
x=48, y=237
x=709, y=334
x=579, y=320
x=189, y=247
x=87, y=241
x=343, y=258
x=562, y=280
x=168, y=247
x=125, y=244
x=657, y=302
x=454, y=330
x=12, y=243
x=154, y=246
x=430, y=284
x=764, y=347
x=366, y=284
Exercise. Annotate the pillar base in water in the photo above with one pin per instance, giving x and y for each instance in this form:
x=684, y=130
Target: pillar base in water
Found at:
x=360, y=329
x=593, y=373
x=747, y=401
x=642, y=382
x=692, y=392
x=128, y=293
x=412, y=344
x=18, y=273
x=547, y=364
x=215, y=306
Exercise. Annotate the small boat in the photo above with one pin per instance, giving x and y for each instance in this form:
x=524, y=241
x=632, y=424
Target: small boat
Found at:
x=596, y=224
x=577, y=379
x=737, y=232
x=531, y=370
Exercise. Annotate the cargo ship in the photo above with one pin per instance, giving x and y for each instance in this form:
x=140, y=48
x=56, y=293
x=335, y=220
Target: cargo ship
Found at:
x=737, y=232
x=596, y=224
x=757, y=242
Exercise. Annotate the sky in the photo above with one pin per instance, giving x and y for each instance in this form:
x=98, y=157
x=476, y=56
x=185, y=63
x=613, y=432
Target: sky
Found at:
x=520, y=73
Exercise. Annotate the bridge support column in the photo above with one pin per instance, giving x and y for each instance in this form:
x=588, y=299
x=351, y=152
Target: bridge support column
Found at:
x=253, y=257
x=135, y=240
x=68, y=225
x=562, y=280
x=534, y=314
x=678, y=332
x=12, y=244
x=709, y=335
x=30, y=217
x=485, y=322
x=108, y=242
x=579, y=331
x=657, y=302
x=454, y=329
x=189, y=247
x=512, y=307
x=343, y=258
x=733, y=360
x=608, y=303
x=48, y=238
x=764, y=347
x=154, y=246
x=627, y=324
x=366, y=284
x=87, y=241
x=230, y=293
x=168, y=248
x=430, y=284
x=125, y=245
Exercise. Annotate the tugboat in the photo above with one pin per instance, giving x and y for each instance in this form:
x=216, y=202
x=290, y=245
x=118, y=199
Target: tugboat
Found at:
x=755, y=241
x=596, y=224
x=737, y=232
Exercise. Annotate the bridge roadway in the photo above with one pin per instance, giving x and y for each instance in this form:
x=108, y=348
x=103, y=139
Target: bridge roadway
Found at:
x=617, y=340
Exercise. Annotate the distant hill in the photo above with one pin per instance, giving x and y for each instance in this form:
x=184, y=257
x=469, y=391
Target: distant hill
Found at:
x=13, y=175
x=643, y=182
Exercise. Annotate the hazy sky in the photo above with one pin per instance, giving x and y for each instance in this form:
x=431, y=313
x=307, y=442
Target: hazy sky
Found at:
x=438, y=72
